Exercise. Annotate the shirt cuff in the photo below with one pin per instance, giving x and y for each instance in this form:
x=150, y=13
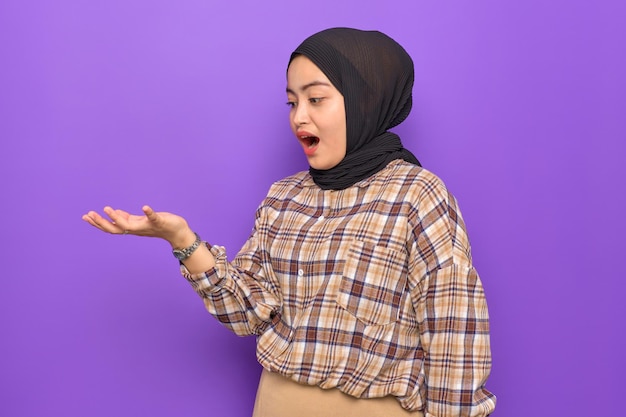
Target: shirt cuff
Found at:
x=212, y=280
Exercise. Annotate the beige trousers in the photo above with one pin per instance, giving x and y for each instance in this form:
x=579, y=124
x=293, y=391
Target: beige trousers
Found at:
x=280, y=397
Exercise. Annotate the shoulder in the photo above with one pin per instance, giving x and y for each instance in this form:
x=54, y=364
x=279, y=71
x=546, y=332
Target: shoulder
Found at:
x=287, y=188
x=286, y=185
x=412, y=181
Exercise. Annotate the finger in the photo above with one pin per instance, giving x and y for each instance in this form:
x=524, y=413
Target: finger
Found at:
x=147, y=210
x=89, y=220
x=152, y=216
x=98, y=222
x=95, y=219
x=117, y=225
x=114, y=215
x=109, y=212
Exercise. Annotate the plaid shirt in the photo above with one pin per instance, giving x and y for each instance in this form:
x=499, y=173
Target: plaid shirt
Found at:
x=370, y=290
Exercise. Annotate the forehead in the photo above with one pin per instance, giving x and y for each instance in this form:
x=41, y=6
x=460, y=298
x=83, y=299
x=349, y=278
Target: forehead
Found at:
x=302, y=72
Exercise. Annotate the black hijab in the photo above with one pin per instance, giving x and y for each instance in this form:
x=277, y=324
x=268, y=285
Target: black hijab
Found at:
x=375, y=76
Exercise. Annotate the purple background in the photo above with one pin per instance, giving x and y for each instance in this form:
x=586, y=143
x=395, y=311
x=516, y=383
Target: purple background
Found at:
x=519, y=106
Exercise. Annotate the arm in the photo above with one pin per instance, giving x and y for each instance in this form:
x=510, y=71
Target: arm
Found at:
x=170, y=227
x=451, y=310
x=241, y=294
x=235, y=293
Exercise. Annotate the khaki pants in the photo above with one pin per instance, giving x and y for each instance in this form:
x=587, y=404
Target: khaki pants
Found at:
x=280, y=397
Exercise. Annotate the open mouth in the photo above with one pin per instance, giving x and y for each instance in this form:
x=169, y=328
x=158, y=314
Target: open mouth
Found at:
x=310, y=141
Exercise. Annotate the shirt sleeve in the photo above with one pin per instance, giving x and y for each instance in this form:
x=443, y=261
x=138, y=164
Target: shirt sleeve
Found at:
x=451, y=310
x=240, y=294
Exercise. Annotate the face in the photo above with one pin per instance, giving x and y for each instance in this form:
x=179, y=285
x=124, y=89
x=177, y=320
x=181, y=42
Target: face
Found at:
x=317, y=114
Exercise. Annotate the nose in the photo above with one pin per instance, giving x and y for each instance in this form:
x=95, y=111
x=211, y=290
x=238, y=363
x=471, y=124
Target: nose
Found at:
x=300, y=114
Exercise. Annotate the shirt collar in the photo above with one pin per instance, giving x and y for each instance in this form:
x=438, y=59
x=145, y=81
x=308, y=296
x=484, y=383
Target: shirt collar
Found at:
x=307, y=180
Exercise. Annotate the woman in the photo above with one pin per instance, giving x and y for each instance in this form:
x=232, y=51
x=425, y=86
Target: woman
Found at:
x=357, y=279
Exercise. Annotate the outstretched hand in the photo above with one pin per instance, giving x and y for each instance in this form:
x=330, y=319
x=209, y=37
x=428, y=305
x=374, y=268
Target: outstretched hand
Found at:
x=168, y=226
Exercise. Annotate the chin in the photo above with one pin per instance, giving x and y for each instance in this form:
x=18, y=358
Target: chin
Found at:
x=322, y=165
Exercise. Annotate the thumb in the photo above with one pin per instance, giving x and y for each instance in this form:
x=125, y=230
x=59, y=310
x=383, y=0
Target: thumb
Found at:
x=150, y=214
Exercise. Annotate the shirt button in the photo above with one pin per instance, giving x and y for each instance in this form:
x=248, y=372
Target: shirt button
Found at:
x=300, y=272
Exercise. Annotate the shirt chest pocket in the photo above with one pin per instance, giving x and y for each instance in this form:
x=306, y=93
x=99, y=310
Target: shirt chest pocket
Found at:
x=373, y=283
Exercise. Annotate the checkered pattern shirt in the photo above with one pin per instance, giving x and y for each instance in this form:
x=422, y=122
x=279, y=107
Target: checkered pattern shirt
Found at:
x=370, y=290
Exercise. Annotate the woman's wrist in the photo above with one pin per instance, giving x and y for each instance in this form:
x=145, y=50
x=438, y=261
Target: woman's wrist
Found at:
x=183, y=239
x=182, y=254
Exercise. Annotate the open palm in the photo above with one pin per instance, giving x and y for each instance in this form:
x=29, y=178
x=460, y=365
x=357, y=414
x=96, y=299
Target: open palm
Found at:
x=154, y=224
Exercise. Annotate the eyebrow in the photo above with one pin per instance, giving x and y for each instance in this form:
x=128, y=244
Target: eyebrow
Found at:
x=309, y=85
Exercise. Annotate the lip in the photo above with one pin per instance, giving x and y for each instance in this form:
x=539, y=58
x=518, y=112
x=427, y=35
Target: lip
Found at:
x=303, y=137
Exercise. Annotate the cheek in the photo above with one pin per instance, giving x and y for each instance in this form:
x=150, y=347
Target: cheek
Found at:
x=292, y=125
x=340, y=128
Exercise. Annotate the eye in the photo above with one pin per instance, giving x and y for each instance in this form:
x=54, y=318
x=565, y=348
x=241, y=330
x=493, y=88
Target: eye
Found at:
x=315, y=100
x=291, y=104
